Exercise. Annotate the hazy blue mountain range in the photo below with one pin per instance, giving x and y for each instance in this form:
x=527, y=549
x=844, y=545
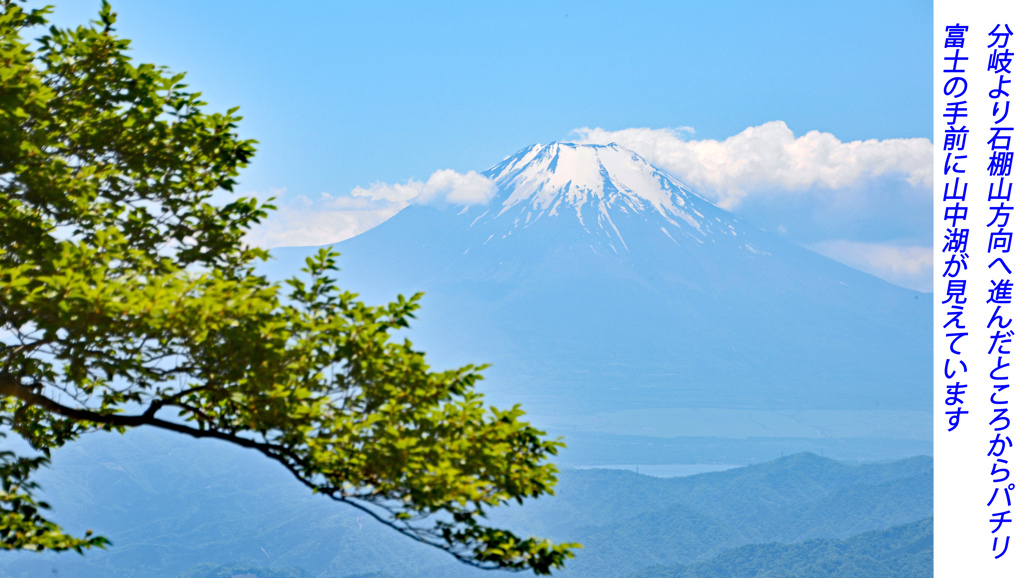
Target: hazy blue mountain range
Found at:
x=903, y=551
x=244, y=571
x=174, y=506
x=898, y=552
x=612, y=299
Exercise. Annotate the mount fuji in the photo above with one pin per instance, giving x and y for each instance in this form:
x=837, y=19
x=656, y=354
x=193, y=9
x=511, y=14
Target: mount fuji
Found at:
x=612, y=298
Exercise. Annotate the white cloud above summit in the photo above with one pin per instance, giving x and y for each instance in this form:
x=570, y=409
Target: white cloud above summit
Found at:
x=770, y=157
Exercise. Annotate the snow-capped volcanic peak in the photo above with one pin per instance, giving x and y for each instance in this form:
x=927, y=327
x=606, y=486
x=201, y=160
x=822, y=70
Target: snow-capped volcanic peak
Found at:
x=595, y=182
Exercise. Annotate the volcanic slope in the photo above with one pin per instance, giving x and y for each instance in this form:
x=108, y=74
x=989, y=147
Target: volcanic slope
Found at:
x=598, y=285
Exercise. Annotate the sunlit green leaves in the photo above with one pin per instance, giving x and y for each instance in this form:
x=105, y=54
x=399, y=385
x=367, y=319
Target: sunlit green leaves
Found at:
x=128, y=297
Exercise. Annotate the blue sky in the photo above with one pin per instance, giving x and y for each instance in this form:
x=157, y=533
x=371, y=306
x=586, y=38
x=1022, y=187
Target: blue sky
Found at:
x=344, y=95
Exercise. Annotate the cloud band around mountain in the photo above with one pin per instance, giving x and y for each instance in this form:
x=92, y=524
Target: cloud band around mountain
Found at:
x=301, y=221
x=770, y=157
x=445, y=185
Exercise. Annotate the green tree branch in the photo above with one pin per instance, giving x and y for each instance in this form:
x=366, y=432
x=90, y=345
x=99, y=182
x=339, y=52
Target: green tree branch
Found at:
x=126, y=293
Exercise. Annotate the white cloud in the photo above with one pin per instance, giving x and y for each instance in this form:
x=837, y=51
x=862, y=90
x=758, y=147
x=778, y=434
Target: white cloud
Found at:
x=458, y=189
x=771, y=158
x=908, y=266
x=302, y=222
x=398, y=193
x=445, y=185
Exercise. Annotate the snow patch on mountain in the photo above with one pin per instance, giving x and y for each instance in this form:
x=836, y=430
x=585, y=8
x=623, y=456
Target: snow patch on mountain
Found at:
x=597, y=184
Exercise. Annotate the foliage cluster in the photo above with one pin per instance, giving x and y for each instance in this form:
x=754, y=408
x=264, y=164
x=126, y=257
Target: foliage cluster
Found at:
x=129, y=297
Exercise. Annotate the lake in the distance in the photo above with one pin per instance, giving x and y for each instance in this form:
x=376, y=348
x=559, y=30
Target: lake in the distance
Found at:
x=664, y=470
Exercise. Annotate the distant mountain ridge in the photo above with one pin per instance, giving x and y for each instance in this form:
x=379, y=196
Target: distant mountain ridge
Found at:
x=903, y=551
x=172, y=504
